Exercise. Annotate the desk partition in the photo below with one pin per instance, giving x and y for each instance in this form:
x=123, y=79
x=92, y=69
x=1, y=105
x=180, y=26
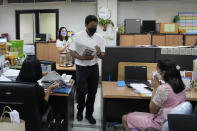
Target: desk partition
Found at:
x=114, y=55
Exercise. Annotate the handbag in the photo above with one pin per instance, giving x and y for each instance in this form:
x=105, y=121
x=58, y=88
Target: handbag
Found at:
x=7, y=125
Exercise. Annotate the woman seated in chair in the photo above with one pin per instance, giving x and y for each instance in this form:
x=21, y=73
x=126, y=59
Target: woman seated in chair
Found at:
x=31, y=72
x=164, y=97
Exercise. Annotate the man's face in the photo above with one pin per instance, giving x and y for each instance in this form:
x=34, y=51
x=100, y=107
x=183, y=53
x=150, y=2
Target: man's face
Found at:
x=91, y=27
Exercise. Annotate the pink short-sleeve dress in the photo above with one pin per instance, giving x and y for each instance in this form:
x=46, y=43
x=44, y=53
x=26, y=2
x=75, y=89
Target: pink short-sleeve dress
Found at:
x=142, y=120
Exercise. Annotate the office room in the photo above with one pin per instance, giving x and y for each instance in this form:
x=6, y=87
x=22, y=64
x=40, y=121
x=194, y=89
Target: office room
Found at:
x=102, y=65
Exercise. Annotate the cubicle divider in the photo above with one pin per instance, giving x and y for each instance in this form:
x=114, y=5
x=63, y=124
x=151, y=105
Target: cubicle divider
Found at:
x=114, y=55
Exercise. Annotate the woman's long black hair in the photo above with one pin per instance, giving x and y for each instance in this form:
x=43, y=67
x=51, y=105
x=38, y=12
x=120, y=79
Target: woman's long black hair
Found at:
x=60, y=35
x=31, y=70
x=172, y=75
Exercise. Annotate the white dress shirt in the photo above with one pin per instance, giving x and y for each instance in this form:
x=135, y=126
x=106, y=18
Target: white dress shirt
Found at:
x=83, y=39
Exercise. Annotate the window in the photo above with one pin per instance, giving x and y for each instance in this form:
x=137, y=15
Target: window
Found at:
x=30, y=23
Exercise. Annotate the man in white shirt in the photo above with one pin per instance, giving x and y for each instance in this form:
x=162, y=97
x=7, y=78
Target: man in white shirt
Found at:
x=87, y=72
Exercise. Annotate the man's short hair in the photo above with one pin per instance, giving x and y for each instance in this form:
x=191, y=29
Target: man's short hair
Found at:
x=90, y=18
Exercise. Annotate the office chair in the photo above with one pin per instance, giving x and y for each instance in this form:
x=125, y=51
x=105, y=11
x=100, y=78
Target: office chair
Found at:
x=182, y=122
x=23, y=98
x=183, y=108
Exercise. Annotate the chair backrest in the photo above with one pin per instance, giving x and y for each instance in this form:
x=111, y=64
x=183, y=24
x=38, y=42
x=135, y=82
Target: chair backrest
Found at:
x=183, y=108
x=182, y=122
x=23, y=98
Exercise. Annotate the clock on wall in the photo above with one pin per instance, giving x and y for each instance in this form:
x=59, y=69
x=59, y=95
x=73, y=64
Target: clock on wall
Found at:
x=104, y=13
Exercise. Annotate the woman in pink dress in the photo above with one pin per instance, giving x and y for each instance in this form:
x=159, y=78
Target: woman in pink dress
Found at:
x=164, y=97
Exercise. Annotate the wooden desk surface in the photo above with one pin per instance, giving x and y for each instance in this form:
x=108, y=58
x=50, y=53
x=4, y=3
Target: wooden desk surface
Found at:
x=110, y=90
x=73, y=68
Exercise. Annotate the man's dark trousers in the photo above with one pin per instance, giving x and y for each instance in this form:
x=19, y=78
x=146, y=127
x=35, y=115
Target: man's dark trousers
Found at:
x=87, y=82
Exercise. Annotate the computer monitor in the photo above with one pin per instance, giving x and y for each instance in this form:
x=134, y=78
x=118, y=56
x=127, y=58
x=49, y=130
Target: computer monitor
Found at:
x=135, y=73
x=148, y=26
x=48, y=64
x=132, y=26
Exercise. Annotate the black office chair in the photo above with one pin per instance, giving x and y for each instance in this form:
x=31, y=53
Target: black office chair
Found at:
x=23, y=98
x=182, y=122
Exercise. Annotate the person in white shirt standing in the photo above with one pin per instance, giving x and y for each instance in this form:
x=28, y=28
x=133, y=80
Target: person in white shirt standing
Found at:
x=63, y=42
x=87, y=71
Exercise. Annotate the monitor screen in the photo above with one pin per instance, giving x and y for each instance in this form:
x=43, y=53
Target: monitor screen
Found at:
x=148, y=26
x=47, y=66
x=135, y=73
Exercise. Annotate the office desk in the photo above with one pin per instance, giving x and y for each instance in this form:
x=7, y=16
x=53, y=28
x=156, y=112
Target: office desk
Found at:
x=64, y=104
x=121, y=100
x=73, y=68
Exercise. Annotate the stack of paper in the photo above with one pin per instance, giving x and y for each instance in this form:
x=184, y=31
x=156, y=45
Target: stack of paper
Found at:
x=82, y=49
x=3, y=78
x=11, y=72
x=66, y=78
x=140, y=88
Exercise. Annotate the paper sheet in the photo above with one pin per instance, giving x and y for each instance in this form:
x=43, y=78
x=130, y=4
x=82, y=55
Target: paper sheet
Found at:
x=11, y=72
x=3, y=78
x=140, y=89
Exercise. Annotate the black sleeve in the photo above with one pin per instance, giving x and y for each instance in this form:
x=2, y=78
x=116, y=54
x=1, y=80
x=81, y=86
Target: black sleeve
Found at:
x=41, y=101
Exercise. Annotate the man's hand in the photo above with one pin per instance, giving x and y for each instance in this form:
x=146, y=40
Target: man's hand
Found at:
x=83, y=57
x=86, y=57
x=98, y=50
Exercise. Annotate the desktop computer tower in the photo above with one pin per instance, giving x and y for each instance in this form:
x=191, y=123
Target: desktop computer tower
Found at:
x=132, y=26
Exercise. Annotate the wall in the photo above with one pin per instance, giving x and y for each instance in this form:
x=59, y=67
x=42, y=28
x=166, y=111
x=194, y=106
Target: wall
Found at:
x=111, y=31
x=70, y=15
x=162, y=11
x=73, y=14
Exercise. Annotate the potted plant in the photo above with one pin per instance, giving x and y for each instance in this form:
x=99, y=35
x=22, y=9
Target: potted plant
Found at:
x=104, y=23
x=176, y=19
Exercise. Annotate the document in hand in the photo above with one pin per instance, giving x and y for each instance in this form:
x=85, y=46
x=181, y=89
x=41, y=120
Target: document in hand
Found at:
x=82, y=49
x=140, y=88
